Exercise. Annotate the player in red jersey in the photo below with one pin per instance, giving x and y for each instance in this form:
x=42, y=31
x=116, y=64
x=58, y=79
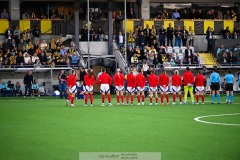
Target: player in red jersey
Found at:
x=153, y=83
x=199, y=81
x=176, y=86
x=71, y=83
x=131, y=84
x=104, y=80
x=89, y=81
x=164, y=82
x=119, y=85
x=141, y=81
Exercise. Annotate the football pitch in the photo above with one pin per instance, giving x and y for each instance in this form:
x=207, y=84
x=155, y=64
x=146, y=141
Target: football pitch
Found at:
x=45, y=129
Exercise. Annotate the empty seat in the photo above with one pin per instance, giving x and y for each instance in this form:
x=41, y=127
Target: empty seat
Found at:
x=176, y=50
x=183, y=48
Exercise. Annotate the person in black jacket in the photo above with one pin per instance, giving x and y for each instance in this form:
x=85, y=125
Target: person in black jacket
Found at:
x=170, y=32
x=28, y=81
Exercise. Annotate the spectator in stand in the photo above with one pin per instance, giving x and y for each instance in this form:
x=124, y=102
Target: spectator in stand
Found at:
x=209, y=38
x=199, y=59
x=147, y=33
x=185, y=15
x=226, y=33
x=74, y=58
x=166, y=14
x=166, y=63
x=26, y=58
x=36, y=32
x=170, y=32
x=62, y=15
x=193, y=14
x=130, y=53
x=141, y=40
x=191, y=36
x=118, y=19
x=195, y=59
x=37, y=63
x=82, y=73
x=4, y=14
x=20, y=59
x=16, y=34
x=172, y=60
x=219, y=15
x=12, y=45
x=227, y=15
x=200, y=14
x=235, y=35
x=175, y=14
x=100, y=34
x=43, y=58
x=9, y=34
x=82, y=14
x=184, y=35
x=188, y=55
x=131, y=39
x=43, y=45
x=5, y=46
x=155, y=60
x=162, y=36
x=120, y=39
x=178, y=36
x=26, y=15
x=134, y=59
x=131, y=14
x=84, y=33
x=233, y=15
x=224, y=58
x=231, y=58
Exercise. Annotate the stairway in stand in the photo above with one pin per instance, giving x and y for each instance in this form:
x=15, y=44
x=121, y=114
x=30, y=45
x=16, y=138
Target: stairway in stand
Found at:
x=208, y=59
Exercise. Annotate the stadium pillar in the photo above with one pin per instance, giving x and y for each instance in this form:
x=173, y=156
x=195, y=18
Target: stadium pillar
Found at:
x=14, y=9
x=145, y=9
x=110, y=26
x=76, y=22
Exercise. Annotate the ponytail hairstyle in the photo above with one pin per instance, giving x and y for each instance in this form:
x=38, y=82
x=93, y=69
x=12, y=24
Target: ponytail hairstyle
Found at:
x=90, y=74
x=176, y=72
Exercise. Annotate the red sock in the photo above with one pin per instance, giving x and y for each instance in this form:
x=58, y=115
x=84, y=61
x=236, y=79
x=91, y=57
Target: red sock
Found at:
x=180, y=97
x=86, y=98
x=157, y=100
x=103, y=98
x=91, y=98
x=132, y=98
x=203, y=98
x=69, y=97
x=143, y=97
x=122, y=97
x=174, y=97
x=197, y=97
x=150, y=99
x=138, y=97
x=109, y=98
x=161, y=98
x=117, y=98
x=127, y=98
x=72, y=100
x=167, y=97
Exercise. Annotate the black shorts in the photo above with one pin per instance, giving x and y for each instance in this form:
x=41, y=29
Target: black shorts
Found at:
x=215, y=86
x=229, y=87
x=205, y=83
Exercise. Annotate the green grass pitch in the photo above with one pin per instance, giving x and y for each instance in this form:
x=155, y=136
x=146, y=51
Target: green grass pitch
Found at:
x=45, y=129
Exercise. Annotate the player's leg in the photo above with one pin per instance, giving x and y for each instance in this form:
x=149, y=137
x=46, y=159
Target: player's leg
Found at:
x=213, y=95
x=132, y=96
x=151, y=95
x=73, y=98
x=91, y=97
x=227, y=96
x=218, y=96
x=174, y=97
x=127, y=97
x=202, y=94
x=190, y=89
x=180, y=96
x=117, y=96
x=167, y=97
x=185, y=94
x=232, y=97
x=86, y=97
x=32, y=92
x=109, y=95
x=197, y=95
x=122, y=96
x=38, y=92
x=138, y=95
x=143, y=97
x=156, y=97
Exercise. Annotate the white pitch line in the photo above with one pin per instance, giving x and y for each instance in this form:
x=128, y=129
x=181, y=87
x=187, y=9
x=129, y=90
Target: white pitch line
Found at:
x=225, y=124
x=7, y=100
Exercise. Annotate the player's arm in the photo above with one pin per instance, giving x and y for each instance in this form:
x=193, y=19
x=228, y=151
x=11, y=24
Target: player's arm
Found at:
x=219, y=80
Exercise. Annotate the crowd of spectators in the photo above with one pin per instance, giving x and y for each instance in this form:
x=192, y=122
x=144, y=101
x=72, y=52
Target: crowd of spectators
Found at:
x=156, y=46
x=196, y=14
x=228, y=55
x=24, y=49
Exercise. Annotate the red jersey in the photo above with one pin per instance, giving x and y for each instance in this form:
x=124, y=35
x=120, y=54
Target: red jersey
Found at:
x=176, y=80
x=188, y=78
x=153, y=80
x=119, y=79
x=89, y=81
x=199, y=81
x=163, y=79
x=71, y=81
x=141, y=80
x=104, y=78
x=131, y=80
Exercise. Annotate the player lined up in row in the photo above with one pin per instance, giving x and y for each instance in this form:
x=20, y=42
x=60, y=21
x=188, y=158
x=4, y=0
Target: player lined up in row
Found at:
x=137, y=84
